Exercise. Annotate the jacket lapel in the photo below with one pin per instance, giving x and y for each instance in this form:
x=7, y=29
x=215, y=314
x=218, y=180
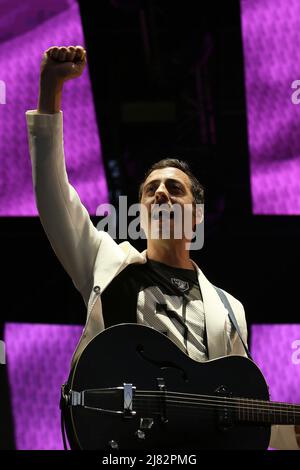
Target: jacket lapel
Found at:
x=215, y=317
x=112, y=259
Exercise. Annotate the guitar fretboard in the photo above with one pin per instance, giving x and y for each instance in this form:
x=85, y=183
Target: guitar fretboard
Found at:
x=258, y=411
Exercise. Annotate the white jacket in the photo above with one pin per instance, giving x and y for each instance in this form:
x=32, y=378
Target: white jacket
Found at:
x=93, y=259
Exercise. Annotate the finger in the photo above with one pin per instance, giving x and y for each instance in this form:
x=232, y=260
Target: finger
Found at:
x=62, y=53
x=79, y=53
x=70, y=54
x=50, y=50
x=54, y=52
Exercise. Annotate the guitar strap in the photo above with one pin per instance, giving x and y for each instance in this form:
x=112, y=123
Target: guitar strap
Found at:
x=232, y=318
x=62, y=406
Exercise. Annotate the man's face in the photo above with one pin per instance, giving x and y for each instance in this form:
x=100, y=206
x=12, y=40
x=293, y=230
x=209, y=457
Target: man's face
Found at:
x=169, y=188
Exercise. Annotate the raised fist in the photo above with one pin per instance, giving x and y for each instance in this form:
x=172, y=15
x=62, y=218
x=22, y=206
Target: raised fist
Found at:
x=63, y=63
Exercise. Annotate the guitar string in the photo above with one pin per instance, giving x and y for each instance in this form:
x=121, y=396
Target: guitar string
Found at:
x=209, y=403
x=188, y=407
x=195, y=396
x=204, y=409
x=221, y=401
x=244, y=403
x=245, y=412
x=220, y=405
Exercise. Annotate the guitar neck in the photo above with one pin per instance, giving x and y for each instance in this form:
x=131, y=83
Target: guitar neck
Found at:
x=265, y=412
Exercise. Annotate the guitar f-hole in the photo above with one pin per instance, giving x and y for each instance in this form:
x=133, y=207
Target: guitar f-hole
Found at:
x=161, y=364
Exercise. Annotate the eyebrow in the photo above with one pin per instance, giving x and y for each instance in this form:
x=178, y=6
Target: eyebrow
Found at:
x=168, y=180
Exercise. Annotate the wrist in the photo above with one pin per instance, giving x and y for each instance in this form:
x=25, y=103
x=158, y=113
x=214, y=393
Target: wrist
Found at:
x=50, y=92
x=48, y=79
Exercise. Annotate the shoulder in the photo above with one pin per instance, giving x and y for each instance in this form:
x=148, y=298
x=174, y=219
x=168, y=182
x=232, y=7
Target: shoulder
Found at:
x=111, y=252
x=234, y=302
x=237, y=308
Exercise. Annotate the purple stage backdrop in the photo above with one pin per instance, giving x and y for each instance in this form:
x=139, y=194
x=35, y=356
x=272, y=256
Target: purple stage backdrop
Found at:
x=271, y=35
x=38, y=359
x=27, y=29
x=276, y=350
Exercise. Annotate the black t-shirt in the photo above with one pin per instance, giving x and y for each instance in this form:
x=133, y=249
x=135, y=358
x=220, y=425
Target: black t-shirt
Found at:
x=165, y=298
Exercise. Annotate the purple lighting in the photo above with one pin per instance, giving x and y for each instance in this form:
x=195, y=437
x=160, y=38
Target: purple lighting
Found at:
x=274, y=350
x=38, y=361
x=271, y=35
x=27, y=29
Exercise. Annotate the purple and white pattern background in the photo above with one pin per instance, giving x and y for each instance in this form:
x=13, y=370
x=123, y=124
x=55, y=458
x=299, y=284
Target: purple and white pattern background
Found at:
x=271, y=36
x=38, y=360
x=273, y=350
x=27, y=29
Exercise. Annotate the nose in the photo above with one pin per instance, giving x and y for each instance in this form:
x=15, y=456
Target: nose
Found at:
x=161, y=194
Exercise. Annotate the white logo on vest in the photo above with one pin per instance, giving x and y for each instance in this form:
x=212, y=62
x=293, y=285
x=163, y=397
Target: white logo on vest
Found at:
x=181, y=285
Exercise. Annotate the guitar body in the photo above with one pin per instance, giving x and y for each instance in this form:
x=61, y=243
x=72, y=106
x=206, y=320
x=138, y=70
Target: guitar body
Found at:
x=141, y=356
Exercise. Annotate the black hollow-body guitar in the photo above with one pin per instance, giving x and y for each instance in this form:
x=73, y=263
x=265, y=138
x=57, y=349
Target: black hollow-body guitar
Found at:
x=133, y=388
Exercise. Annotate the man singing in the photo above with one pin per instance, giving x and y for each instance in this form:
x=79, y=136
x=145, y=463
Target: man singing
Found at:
x=161, y=287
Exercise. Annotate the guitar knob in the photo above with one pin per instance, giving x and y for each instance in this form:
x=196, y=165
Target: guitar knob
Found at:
x=140, y=434
x=113, y=445
x=146, y=423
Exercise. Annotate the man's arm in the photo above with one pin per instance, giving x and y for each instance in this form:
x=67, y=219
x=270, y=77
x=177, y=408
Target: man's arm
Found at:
x=67, y=224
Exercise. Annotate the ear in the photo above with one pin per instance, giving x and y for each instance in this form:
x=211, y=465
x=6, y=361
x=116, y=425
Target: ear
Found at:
x=199, y=213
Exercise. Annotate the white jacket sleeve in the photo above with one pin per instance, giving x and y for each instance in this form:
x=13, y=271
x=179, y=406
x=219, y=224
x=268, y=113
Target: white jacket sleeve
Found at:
x=284, y=438
x=73, y=237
